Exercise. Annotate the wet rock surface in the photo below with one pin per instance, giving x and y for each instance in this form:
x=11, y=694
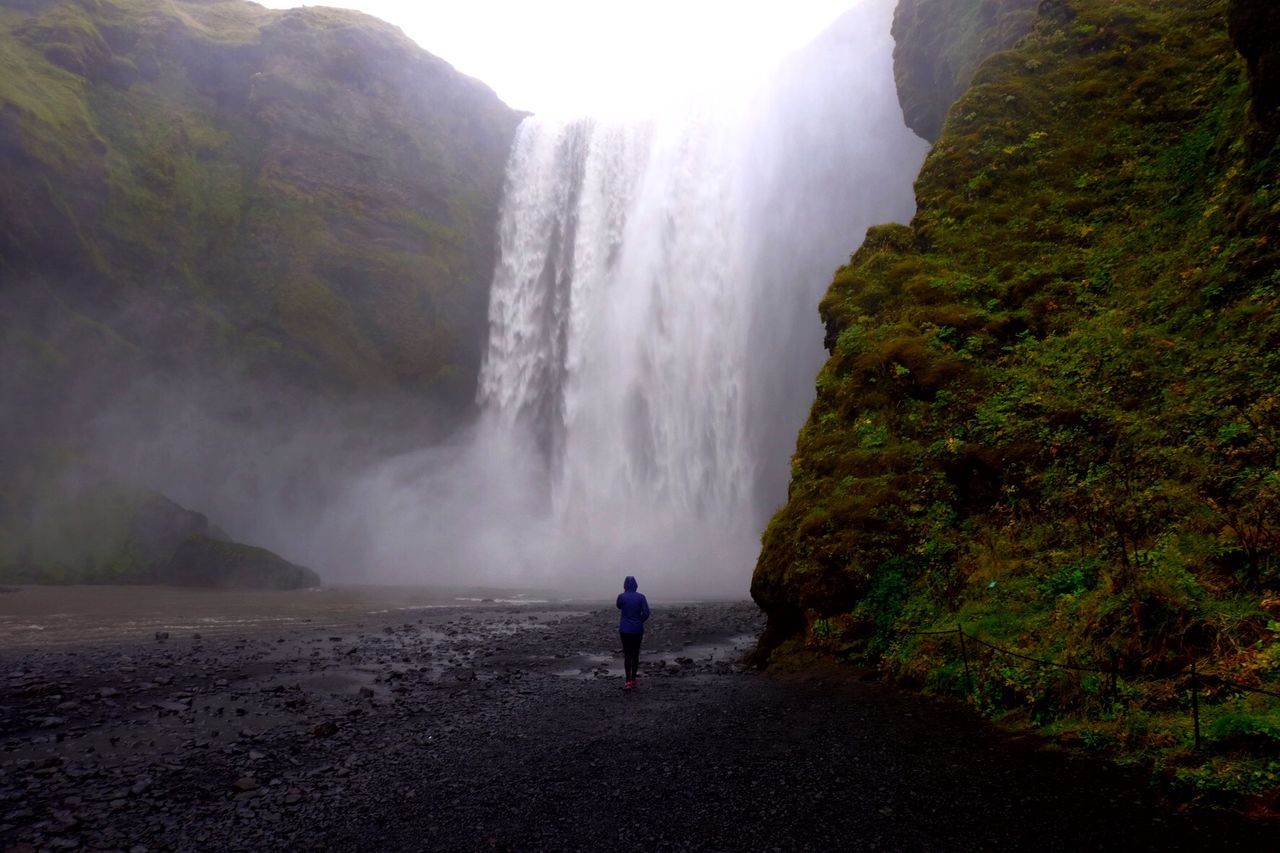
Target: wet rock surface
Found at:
x=505, y=728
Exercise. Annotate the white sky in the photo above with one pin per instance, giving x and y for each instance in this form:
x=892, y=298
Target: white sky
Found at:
x=604, y=56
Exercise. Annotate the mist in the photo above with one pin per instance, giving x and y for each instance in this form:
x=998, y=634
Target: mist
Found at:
x=652, y=350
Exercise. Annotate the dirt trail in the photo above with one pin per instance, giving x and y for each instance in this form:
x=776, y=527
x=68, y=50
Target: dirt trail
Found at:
x=505, y=729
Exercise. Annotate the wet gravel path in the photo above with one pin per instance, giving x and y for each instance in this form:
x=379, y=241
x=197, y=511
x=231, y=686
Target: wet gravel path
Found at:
x=505, y=729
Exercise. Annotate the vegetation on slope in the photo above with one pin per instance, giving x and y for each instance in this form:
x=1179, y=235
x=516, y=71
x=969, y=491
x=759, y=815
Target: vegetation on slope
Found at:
x=1052, y=408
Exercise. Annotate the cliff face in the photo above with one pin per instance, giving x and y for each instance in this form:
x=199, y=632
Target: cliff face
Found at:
x=939, y=46
x=281, y=212
x=1052, y=407
x=201, y=183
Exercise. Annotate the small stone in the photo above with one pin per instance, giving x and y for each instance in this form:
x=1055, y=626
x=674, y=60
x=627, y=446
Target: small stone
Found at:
x=246, y=783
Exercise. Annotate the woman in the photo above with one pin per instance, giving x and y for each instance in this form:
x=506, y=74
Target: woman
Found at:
x=635, y=610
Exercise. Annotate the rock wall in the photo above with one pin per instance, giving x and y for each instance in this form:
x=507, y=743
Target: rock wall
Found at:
x=941, y=43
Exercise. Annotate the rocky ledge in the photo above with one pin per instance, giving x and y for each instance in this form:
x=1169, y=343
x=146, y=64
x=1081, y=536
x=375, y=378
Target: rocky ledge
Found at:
x=208, y=562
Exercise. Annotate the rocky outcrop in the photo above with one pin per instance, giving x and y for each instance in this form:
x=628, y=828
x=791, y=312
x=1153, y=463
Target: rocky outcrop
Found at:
x=939, y=46
x=158, y=526
x=202, y=561
x=1255, y=31
x=107, y=533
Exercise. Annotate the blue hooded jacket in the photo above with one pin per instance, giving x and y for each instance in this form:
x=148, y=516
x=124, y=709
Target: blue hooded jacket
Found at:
x=634, y=607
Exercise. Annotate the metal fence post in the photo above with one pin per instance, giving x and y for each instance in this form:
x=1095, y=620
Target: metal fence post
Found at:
x=1195, y=704
x=1111, y=687
x=964, y=654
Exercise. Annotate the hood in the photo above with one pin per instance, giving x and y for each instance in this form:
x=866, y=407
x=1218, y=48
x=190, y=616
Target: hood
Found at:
x=629, y=584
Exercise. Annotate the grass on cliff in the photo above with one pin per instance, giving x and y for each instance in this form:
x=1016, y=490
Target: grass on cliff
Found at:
x=84, y=539
x=1052, y=409
x=287, y=193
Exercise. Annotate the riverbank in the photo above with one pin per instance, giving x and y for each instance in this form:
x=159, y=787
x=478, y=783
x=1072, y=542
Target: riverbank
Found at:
x=503, y=727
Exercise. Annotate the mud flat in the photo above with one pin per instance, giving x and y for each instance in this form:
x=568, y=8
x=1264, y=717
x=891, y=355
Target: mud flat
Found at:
x=504, y=728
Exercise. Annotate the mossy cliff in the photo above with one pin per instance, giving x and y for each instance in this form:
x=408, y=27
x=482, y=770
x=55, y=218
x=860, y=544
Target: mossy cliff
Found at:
x=939, y=44
x=1052, y=408
x=211, y=185
x=110, y=534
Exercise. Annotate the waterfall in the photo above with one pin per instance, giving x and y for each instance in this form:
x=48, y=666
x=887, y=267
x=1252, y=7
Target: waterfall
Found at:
x=618, y=318
x=653, y=338
x=653, y=333
x=653, y=343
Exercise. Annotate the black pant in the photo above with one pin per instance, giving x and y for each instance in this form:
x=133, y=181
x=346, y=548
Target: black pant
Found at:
x=631, y=653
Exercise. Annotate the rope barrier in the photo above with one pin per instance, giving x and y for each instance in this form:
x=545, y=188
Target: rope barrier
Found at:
x=1012, y=653
x=1238, y=686
x=1196, y=677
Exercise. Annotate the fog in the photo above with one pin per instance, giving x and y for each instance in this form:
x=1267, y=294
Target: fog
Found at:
x=652, y=350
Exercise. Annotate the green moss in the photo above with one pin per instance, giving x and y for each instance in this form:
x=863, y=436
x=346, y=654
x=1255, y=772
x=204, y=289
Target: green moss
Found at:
x=940, y=45
x=53, y=121
x=84, y=540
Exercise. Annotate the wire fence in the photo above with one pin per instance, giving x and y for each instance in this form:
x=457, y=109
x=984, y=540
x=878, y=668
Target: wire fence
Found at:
x=1196, y=677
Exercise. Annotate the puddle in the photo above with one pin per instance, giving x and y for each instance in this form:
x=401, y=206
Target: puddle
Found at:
x=586, y=666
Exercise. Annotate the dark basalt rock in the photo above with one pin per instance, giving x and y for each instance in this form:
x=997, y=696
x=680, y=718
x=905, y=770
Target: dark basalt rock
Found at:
x=202, y=561
x=159, y=526
x=1254, y=26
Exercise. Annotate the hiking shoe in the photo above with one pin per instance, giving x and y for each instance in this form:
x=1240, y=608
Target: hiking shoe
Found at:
x=630, y=685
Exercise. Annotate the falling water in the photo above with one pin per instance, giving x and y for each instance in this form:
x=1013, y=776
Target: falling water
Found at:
x=653, y=333
x=618, y=319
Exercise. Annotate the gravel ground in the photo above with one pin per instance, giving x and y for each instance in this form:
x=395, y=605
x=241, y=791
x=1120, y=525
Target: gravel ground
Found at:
x=504, y=728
